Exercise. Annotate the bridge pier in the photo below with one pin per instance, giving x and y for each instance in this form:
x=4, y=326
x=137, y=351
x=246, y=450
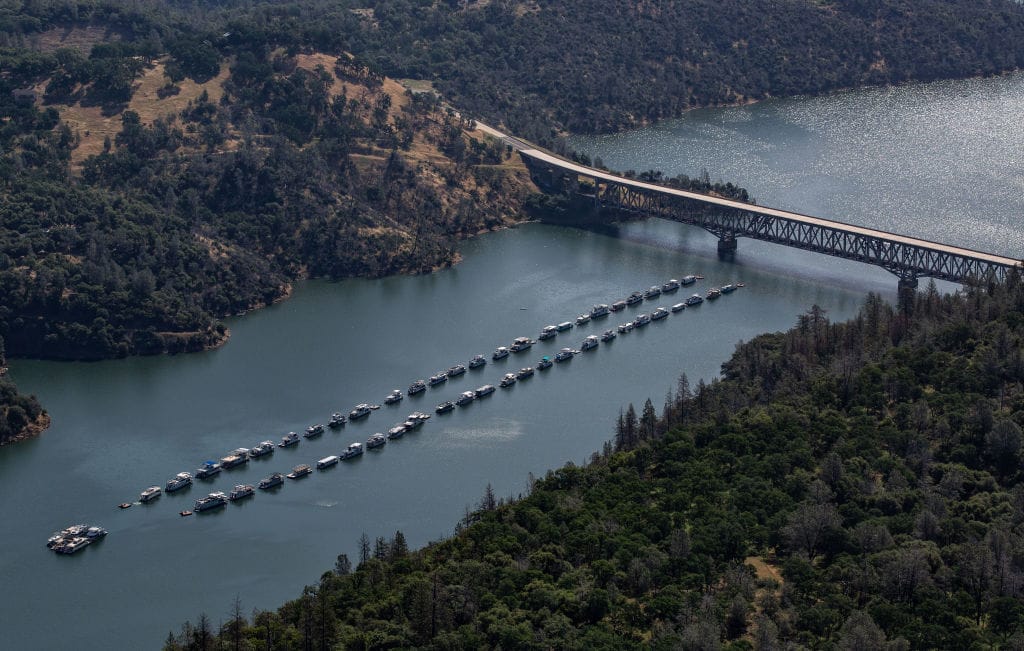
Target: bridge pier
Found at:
x=907, y=285
x=727, y=244
x=905, y=292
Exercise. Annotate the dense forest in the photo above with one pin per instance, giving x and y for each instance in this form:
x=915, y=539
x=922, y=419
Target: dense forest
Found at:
x=19, y=414
x=601, y=65
x=541, y=66
x=844, y=485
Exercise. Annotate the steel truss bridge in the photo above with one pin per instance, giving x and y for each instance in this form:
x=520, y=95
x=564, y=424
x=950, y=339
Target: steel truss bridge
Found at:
x=908, y=258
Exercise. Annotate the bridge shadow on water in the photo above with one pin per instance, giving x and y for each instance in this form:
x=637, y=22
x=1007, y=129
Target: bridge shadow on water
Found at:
x=751, y=258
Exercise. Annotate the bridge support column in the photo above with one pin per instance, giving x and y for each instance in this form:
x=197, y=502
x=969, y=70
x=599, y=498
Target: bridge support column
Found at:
x=907, y=285
x=906, y=289
x=727, y=244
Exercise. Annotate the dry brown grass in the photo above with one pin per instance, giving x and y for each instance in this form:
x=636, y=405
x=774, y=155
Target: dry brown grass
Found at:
x=93, y=126
x=763, y=570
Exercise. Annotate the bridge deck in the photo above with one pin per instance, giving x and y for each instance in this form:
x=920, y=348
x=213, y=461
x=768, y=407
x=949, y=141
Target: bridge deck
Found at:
x=739, y=205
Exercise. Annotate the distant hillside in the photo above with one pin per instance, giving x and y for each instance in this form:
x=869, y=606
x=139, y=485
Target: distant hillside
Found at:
x=601, y=65
x=543, y=66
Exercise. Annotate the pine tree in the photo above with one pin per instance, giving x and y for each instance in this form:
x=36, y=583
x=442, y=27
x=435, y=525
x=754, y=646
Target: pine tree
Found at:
x=488, y=502
x=364, y=548
x=648, y=421
x=399, y=548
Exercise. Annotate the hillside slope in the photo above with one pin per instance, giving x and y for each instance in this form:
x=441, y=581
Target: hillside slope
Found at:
x=602, y=65
x=132, y=221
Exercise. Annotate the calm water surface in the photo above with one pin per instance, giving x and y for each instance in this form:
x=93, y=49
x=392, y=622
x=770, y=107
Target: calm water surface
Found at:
x=119, y=426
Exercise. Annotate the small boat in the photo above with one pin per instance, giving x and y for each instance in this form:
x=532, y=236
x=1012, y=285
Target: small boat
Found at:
x=525, y=372
x=520, y=344
x=485, y=390
x=327, y=462
x=337, y=420
x=617, y=306
x=599, y=311
x=626, y=327
x=419, y=416
x=738, y=285
x=275, y=479
x=696, y=299
x=590, y=342
x=713, y=293
x=124, y=505
x=641, y=320
x=241, y=491
x=396, y=432
x=209, y=469
x=501, y=352
x=394, y=397
x=314, y=431
x=688, y=280
x=353, y=451
x=376, y=440
x=236, y=458
x=466, y=398
x=456, y=370
x=263, y=449
x=360, y=411
x=565, y=354
x=679, y=307
x=563, y=326
x=671, y=286
x=300, y=470
x=289, y=439
x=60, y=537
x=608, y=335
x=659, y=313
x=185, y=513
x=181, y=480
x=727, y=289
x=634, y=298
x=94, y=533
x=72, y=545
x=445, y=407
x=548, y=332
x=419, y=386
x=544, y=363
x=698, y=277
x=477, y=361
x=440, y=378
x=150, y=494
x=412, y=424
x=653, y=292
x=508, y=380
x=583, y=318
x=211, y=501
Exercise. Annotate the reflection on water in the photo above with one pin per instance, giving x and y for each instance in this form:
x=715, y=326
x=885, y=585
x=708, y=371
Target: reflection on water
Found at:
x=940, y=161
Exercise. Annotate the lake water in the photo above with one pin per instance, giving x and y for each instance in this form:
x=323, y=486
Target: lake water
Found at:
x=122, y=425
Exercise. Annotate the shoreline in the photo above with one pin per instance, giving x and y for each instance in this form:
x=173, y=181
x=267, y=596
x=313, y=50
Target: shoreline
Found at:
x=32, y=430
x=641, y=124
